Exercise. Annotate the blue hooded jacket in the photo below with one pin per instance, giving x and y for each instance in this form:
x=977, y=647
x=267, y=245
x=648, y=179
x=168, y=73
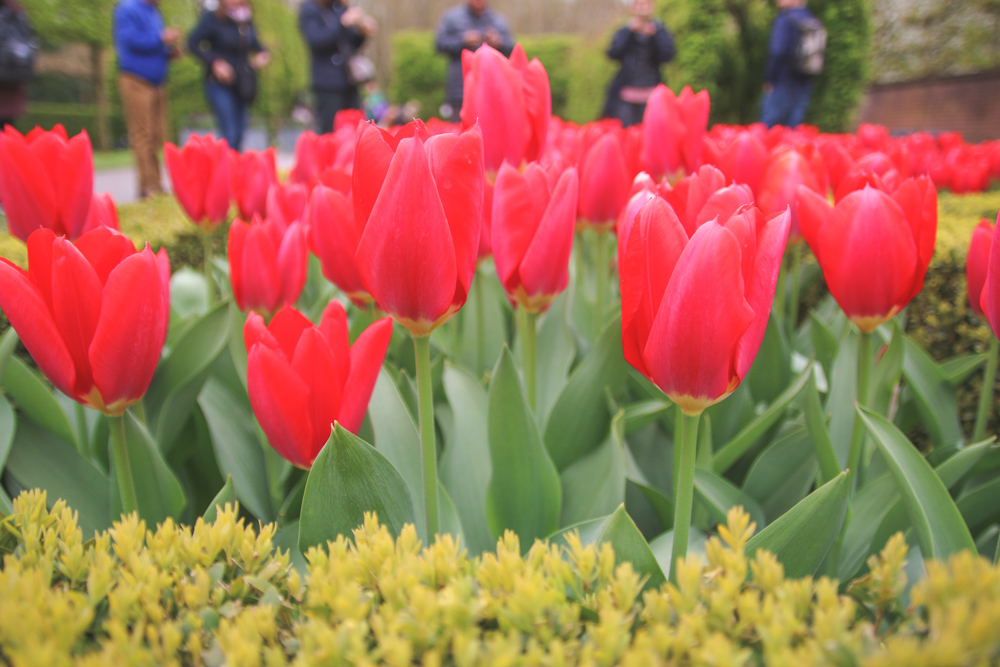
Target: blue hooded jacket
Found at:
x=141, y=51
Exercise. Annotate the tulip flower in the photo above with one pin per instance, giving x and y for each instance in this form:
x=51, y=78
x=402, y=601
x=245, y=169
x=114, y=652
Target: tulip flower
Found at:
x=643, y=189
x=698, y=198
x=417, y=254
x=982, y=267
x=252, y=174
x=333, y=237
x=604, y=183
x=46, y=181
x=742, y=160
x=287, y=203
x=510, y=100
x=199, y=173
x=103, y=213
x=93, y=315
x=302, y=378
x=786, y=169
x=673, y=128
x=694, y=310
x=873, y=247
x=267, y=267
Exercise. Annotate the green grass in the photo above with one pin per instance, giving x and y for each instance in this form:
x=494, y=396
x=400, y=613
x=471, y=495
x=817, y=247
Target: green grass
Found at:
x=112, y=159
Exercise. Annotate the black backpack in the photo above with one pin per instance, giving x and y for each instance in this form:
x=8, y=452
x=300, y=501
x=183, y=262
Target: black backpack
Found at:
x=18, y=47
x=810, y=47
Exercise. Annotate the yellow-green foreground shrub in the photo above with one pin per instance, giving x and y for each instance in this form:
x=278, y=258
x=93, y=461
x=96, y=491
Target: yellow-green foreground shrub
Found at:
x=220, y=593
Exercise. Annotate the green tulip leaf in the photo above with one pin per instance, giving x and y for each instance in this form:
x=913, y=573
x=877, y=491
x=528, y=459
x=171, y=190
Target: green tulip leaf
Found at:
x=718, y=495
x=663, y=547
x=595, y=485
x=524, y=492
x=226, y=495
x=40, y=460
x=348, y=479
x=237, y=450
x=771, y=371
x=173, y=393
x=783, y=473
x=621, y=533
x=555, y=354
x=958, y=369
x=287, y=539
x=979, y=507
x=843, y=395
x=824, y=342
x=188, y=294
x=464, y=465
x=801, y=537
x=826, y=455
x=158, y=493
x=888, y=372
x=35, y=399
x=640, y=415
x=936, y=520
x=580, y=418
x=935, y=396
x=8, y=427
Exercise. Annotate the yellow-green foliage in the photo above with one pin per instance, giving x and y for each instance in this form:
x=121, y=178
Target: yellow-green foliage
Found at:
x=220, y=593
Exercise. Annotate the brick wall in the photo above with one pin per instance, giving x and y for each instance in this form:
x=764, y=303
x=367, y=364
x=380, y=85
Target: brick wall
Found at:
x=969, y=104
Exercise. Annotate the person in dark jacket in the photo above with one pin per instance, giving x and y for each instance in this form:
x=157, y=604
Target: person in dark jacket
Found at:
x=642, y=46
x=468, y=26
x=786, y=93
x=226, y=41
x=144, y=47
x=334, y=31
x=13, y=99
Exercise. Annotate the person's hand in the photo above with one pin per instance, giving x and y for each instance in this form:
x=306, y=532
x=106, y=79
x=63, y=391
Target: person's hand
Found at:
x=768, y=87
x=641, y=25
x=260, y=60
x=368, y=26
x=352, y=17
x=472, y=38
x=494, y=38
x=169, y=36
x=223, y=71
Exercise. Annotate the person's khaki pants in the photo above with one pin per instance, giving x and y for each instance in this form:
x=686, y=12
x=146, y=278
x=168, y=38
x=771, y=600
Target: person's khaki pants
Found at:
x=146, y=120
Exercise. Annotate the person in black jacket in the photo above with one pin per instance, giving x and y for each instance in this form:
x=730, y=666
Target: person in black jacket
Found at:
x=227, y=43
x=643, y=45
x=333, y=30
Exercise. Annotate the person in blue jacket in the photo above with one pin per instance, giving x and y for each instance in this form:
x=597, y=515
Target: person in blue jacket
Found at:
x=226, y=41
x=642, y=46
x=786, y=92
x=334, y=30
x=144, y=47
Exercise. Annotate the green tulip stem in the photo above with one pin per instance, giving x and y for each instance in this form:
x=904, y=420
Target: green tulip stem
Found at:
x=82, y=435
x=425, y=399
x=793, y=299
x=854, y=458
x=480, y=324
x=528, y=322
x=779, y=293
x=684, y=491
x=206, y=240
x=123, y=469
x=986, y=395
x=601, y=279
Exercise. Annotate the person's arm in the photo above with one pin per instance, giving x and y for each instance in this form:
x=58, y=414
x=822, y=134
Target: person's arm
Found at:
x=663, y=45
x=620, y=43
x=781, y=44
x=134, y=34
x=449, y=38
x=506, y=38
x=319, y=35
x=200, y=43
x=255, y=45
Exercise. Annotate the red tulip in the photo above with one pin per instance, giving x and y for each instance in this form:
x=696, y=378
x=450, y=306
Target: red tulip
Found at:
x=417, y=255
x=990, y=299
x=702, y=196
x=199, y=173
x=673, y=128
x=695, y=307
x=786, y=169
x=511, y=101
x=93, y=315
x=287, y=203
x=533, y=234
x=302, y=378
x=873, y=247
x=977, y=264
x=643, y=189
x=252, y=174
x=267, y=266
x=743, y=160
x=46, y=181
x=604, y=182
x=333, y=237
x=102, y=213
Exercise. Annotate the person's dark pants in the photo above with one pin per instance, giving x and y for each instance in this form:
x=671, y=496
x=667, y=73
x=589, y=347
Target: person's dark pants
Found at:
x=230, y=112
x=329, y=102
x=786, y=104
x=629, y=113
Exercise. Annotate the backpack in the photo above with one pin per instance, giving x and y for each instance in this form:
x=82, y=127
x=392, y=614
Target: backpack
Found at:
x=810, y=47
x=18, y=47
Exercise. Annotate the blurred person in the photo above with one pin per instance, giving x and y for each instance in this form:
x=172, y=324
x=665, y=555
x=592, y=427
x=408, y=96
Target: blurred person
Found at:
x=144, y=46
x=642, y=46
x=468, y=26
x=20, y=44
x=787, y=88
x=334, y=30
x=226, y=41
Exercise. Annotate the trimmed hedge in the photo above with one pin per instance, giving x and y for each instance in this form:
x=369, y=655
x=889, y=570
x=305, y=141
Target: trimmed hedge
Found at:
x=74, y=117
x=222, y=593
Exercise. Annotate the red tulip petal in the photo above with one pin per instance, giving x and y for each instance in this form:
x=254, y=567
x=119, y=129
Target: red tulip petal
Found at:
x=105, y=249
x=28, y=313
x=494, y=98
x=406, y=255
x=40, y=262
x=334, y=238
x=130, y=333
x=315, y=365
x=372, y=156
x=189, y=176
x=545, y=268
x=515, y=219
x=813, y=212
x=76, y=307
x=217, y=195
x=333, y=326
x=261, y=281
x=977, y=263
x=293, y=260
x=255, y=331
x=990, y=299
x=538, y=102
x=604, y=181
x=723, y=204
x=280, y=401
x=918, y=199
x=25, y=188
x=287, y=327
x=662, y=131
x=75, y=184
x=702, y=316
x=367, y=355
